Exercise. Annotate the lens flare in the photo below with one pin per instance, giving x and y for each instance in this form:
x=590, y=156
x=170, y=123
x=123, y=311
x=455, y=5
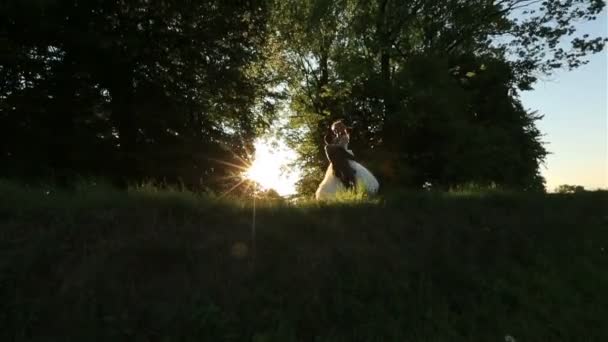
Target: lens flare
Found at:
x=268, y=167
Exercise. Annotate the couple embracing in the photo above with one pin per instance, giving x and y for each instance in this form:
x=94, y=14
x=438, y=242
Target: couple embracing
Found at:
x=344, y=172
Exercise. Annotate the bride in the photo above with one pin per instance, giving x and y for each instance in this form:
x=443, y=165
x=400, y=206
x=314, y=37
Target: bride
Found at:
x=343, y=172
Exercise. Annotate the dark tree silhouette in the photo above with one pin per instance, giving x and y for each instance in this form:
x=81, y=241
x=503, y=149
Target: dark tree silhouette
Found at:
x=176, y=91
x=131, y=90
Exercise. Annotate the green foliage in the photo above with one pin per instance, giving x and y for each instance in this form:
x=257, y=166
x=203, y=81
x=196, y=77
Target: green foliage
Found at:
x=430, y=87
x=175, y=92
x=153, y=264
x=569, y=189
x=140, y=91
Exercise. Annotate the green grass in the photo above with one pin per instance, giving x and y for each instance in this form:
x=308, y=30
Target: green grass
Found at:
x=166, y=265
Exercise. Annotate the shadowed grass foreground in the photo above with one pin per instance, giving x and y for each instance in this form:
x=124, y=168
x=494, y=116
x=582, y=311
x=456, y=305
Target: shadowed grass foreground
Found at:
x=150, y=265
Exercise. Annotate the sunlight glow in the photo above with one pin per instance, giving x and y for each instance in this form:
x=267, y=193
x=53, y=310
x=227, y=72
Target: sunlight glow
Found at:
x=269, y=167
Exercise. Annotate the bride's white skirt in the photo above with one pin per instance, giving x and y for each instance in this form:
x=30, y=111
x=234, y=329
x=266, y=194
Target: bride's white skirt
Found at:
x=332, y=184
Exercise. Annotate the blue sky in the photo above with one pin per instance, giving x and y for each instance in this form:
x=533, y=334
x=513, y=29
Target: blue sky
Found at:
x=575, y=124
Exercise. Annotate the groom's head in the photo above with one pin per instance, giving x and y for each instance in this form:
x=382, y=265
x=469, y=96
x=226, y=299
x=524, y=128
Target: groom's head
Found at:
x=339, y=127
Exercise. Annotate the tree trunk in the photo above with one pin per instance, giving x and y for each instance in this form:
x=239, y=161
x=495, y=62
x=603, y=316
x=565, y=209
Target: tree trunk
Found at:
x=385, y=65
x=62, y=145
x=61, y=123
x=123, y=118
x=383, y=34
x=322, y=82
x=390, y=133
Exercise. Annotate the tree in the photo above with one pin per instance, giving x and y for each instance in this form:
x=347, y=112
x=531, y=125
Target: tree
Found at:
x=132, y=90
x=176, y=91
x=569, y=189
x=431, y=87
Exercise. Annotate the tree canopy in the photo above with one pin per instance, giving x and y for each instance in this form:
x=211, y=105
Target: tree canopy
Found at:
x=430, y=87
x=177, y=91
x=132, y=89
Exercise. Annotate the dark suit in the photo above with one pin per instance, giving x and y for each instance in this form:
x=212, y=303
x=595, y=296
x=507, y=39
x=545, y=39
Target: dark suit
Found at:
x=339, y=158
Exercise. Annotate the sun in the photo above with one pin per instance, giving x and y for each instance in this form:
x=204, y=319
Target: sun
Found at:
x=269, y=167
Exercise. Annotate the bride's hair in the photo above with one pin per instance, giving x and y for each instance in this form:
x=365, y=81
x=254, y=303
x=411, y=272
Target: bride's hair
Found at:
x=339, y=124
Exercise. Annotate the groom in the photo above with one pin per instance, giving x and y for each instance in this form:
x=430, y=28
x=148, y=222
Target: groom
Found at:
x=336, y=149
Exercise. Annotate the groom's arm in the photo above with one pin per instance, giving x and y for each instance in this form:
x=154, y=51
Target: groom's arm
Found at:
x=337, y=153
x=327, y=139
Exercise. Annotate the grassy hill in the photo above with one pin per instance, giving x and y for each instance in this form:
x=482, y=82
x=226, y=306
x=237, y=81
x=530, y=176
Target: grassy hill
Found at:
x=149, y=265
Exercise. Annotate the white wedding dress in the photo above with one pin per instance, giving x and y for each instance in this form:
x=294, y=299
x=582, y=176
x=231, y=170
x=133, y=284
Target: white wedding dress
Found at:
x=331, y=184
